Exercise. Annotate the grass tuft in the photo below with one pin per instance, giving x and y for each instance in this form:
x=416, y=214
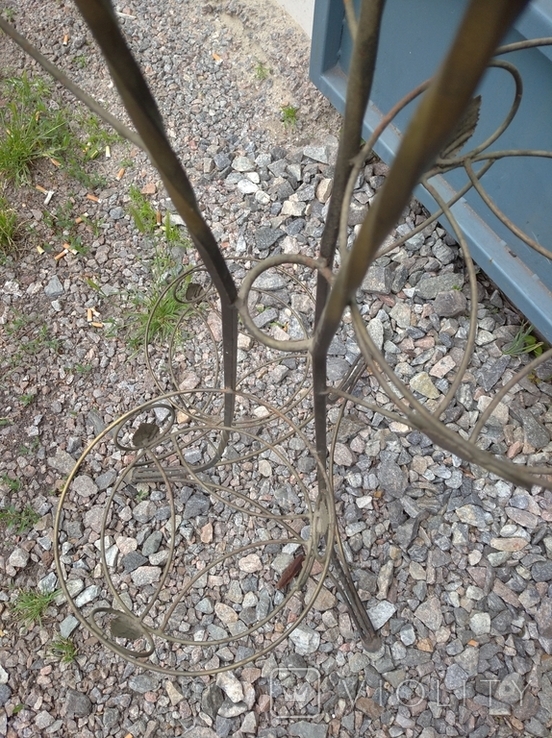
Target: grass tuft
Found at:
x=289, y=115
x=8, y=228
x=524, y=342
x=31, y=605
x=30, y=130
x=262, y=72
x=64, y=649
x=142, y=211
x=19, y=520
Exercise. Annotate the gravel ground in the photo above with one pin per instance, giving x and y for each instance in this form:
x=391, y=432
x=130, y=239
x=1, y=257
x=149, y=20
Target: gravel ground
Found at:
x=455, y=566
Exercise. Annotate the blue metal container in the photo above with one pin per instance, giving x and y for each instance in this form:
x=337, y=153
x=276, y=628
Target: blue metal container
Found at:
x=414, y=38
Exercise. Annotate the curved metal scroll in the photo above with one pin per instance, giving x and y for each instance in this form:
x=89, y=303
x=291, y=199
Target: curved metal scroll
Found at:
x=158, y=580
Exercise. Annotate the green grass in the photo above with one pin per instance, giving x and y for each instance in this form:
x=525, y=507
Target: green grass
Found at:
x=171, y=231
x=82, y=369
x=8, y=227
x=64, y=649
x=14, y=485
x=262, y=72
x=31, y=448
x=524, y=342
x=27, y=399
x=95, y=137
x=19, y=520
x=62, y=219
x=166, y=313
x=166, y=316
x=31, y=339
x=142, y=212
x=44, y=340
x=289, y=115
x=30, y=605
x=19, y=322
x=29, y=129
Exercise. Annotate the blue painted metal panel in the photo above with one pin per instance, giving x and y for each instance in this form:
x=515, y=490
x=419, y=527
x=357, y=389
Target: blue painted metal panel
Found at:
x=414, y=39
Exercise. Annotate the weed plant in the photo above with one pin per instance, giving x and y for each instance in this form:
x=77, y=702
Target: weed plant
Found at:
x=261, y=71
x=14, y=485
x=8, y=228
x=31, y=605
x=30, y=130
x=64, y=649
x=289, y=116
x=524, y=342
x=19, y=520
x=163, y=306
x=142, y=211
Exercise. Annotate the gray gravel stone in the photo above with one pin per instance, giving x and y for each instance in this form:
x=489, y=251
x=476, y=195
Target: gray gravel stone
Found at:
x=198, y=504
x=84, y=486
x=422, y=383
x=54, y=288
x=19, y=558
x=474, y=515
x=450, y=304
x=305, y=639
x=267, y=237
x=222, y=161
x=87, y=595
x=317, y=153
x=535, y=433
x=62, y=462
x=510, y=689
x=243, y=164
x=401, y=314
x=377, y=279
x=430, y=613
x=144, y=575
x=68, y=626
x=407, y=635
x=392, y=478
x=144, y=511
x=542, y=571
x=544, y=618
x=77, y=704
x=143, y=683
x=455, y=677
x=480, y=623
x=43, y=720
x=381, y=613
x=116, y=213
x=152, y=543
x=375, y=331
x=133, y=560
x=491, y=372
x=5, y=694
x=105, y=480
x=110, y=717
x=430, y=287
x=308, y=729
x=212, y=698
x=231, y=686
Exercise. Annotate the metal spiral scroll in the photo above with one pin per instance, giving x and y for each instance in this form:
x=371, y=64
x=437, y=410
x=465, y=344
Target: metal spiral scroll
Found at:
x=145, y=477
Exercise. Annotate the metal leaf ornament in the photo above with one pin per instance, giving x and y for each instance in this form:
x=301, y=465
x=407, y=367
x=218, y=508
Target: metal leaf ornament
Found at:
x=145, y=435
x=125, y=626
